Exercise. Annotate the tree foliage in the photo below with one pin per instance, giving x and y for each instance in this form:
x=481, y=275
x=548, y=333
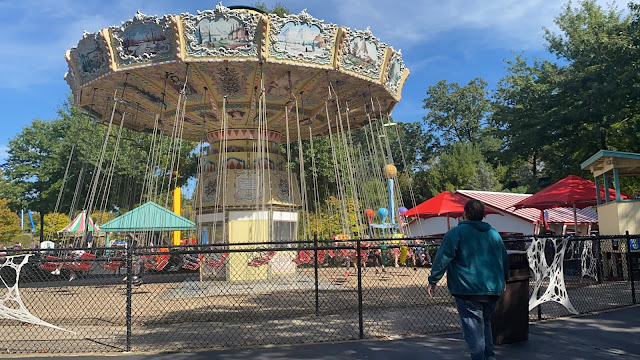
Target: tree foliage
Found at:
x=484, y=179
x=54, y=222
x=39, y=155
x=598, y=88
x=455, y=168
x=329, y=219
x=9, y=222
x=457, y=113
x=102, y=217
x=554, y=115
x=277, y=9
x=523, y=104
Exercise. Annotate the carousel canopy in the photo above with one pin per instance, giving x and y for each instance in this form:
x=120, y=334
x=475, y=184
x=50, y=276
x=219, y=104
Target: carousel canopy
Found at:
x=218, y=63
x=148, y=217
x=79, y=224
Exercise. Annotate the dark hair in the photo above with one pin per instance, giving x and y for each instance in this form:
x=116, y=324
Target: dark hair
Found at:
x=474, y=210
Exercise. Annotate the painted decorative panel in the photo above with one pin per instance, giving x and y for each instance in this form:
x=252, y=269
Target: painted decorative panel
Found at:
x=91, y=57
x=263, y=163
x=301, y=38
x=144, y=39
x=230, y=80
x=221, y=32
x=394, y=72
x=282, y=187
x=210, y=166
x=210, y=190
x=246, y=186
x=362, y=53
x=235, y=163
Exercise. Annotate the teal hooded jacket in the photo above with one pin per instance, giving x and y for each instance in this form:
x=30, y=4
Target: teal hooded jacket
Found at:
x=474, y=258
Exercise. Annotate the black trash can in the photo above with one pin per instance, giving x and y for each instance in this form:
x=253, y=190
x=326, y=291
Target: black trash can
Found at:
x=510, y=322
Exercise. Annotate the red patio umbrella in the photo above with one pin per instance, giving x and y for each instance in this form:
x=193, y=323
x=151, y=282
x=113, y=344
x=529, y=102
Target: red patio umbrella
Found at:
x=570, y=191
x=444, y=204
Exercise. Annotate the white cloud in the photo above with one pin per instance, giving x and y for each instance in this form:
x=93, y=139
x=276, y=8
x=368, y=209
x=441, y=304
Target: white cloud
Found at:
x=495, y=24
x=36, y=43
x=37, y=34
x=422, y=64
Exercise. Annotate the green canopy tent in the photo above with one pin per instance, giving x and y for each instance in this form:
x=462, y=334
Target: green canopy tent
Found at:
x=149, y=217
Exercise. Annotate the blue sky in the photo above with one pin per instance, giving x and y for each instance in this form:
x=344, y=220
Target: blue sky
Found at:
x=456, y=40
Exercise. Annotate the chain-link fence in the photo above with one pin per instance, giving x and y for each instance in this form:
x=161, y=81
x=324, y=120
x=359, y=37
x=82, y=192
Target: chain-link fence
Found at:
x=218, y=296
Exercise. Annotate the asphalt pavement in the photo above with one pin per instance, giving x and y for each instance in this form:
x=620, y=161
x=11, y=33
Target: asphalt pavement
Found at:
x=607, y=335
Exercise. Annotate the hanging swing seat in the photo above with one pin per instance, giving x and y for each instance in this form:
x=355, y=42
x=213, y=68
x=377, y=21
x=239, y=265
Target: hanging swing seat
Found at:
x=78, y=264
x=158, y=262
x=304, y=257
x=52, y=262
x=322, y=253
x=261, y=259
x=353, y=254
x=195, y=266
x=217, y=263
x=113, y=265
x=348, y=253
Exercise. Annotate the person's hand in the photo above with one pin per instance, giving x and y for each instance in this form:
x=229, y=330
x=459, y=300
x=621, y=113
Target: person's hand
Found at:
x=431, y=289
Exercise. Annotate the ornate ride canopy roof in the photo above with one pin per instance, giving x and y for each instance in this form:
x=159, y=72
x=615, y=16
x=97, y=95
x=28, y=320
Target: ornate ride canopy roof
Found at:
x=232, y=54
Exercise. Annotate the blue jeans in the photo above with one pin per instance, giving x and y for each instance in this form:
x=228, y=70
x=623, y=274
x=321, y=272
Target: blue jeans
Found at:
x=475, y=320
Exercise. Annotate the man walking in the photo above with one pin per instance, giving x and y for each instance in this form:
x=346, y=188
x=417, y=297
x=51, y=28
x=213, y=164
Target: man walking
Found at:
x=475, y=260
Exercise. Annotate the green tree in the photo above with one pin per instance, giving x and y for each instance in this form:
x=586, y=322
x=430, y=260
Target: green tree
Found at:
x=188, y=210
x=9, y=222
x=39, y=155
x=455, y=169
x=524, y=104
x=597, y=89
x=484, y=179
x=102, y=217
x=277, y=9
x=36, y=166
x=54, y=222
x=408, y=143
x=552, y=115
x=329, y=221
x=457, y=113
x=408, y=146
x=422, y=185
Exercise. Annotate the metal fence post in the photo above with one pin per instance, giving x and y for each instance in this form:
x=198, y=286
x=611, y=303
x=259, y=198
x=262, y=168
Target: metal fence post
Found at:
x=535, y=237
x=129, y=276
x=359, y=261
x=630, y=268
x=315, y=268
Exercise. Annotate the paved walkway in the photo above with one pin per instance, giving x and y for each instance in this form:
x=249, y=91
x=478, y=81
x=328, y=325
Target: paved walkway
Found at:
x=608, y=335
